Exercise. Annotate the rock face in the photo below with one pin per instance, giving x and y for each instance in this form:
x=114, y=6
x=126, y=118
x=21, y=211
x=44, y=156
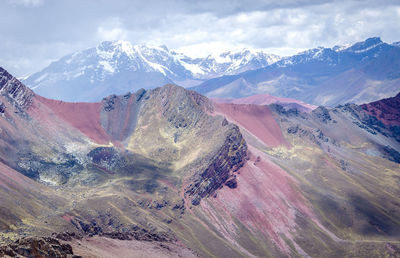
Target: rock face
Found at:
x=322, y=114
x=20, y=95
x=2, y=108
x=386, y=110
x=37, y=247
x=229, y=159
x=119, y=114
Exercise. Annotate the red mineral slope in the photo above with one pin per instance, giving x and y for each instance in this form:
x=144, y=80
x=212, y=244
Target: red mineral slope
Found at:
x=83, y=116
x=386, y=110
x=265, y=201
x=256, y=119
x=266, y=99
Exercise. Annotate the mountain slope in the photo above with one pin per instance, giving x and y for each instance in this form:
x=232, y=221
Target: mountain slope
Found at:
x=364, y=72
x=118, y=67
x=226, y=180
x=266, y=99
x=386, y=110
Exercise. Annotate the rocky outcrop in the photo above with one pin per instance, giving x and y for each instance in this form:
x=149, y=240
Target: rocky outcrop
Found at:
x=2, y=108
x=314, y=135
x=370, y=123
x=54, y=172
x=322, y=114
x=386, y=110
x=118, y=116
x=106, y=157
x=42, y=247
x=128, y=232
x=385, y=113
x=230, y=158
x=19, y=94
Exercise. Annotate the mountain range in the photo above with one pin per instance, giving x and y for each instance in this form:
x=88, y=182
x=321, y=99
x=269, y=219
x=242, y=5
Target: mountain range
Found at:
x=117, y=67
x=170, y=172
x=363, y=72
x=360, y=73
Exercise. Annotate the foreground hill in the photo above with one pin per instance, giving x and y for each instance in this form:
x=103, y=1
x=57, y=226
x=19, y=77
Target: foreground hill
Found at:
x=218, y=179
x=364, y=72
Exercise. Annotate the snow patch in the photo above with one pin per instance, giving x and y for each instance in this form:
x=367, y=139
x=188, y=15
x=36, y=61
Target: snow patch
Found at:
x=368, y=48
x=107, y=66
x=193, y=68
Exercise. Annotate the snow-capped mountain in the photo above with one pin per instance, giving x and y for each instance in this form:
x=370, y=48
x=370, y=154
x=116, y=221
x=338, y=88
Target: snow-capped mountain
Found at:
x=116, y=67
x=363, y=72
x=230, y=62
x=396, y=44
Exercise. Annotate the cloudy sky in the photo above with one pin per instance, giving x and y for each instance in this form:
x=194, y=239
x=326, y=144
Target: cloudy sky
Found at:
x=36, y=32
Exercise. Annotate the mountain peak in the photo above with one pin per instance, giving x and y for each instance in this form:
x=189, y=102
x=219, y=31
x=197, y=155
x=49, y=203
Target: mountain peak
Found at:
x=136, y=66
x=366, y=45
x=115, y=46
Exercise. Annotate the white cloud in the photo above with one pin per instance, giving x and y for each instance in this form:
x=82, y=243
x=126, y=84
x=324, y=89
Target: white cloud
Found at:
x=27, y=2
x=197, y=28
x=111, y=34
x=111, y=29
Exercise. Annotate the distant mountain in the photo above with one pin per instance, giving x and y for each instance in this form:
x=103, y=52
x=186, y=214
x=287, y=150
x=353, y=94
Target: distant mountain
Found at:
x=396, y=44
x=363, y=72
x=116, y=67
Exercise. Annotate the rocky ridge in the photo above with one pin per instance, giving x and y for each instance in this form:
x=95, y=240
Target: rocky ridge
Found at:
x=40, y=247
x=12, y=88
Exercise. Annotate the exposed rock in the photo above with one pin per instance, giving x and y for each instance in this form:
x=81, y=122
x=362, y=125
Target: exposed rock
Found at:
x=106, y=157
x=343, y=165
x=322, y=113
x=386, y=110
x=372, y=124
x=2, y=108
x=230, y=158
x=140, y=235
x=58, y=172
x=391, y=154
x=139, y=94
x=225, y=122
x=127, y=95
x=108, y=103
x=159, y=205
x=19, y=94
x=118, y=116
x=293, y=129
x=67, y=236
x=231, y=183
x=286, y=112
x=87, y=228
x=122, y=233
x=37, y=247
x=180, y=207
x=316, y=136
